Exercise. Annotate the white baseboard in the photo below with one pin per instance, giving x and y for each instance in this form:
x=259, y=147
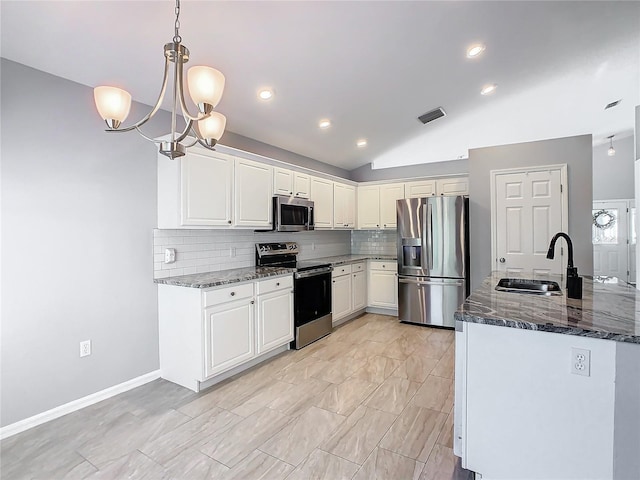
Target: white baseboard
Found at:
x=57, y=412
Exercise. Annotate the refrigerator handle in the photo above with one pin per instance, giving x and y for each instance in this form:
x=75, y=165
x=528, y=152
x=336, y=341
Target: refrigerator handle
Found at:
x=428, y=225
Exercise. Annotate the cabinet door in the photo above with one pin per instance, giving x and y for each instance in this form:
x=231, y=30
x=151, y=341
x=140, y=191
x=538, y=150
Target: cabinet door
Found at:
x=322, y=196
x=383, y=289
x=344, y=208
x=388, y=196
x=229, y=335
x=253, y=192
x=275, y=320
x=419, y=189
x=206, y=189
x=358, y=290
x=301, y=185
x=369, y=207
x=340, y=193
x=282, y=181
x=453, y=186
x=341, y=296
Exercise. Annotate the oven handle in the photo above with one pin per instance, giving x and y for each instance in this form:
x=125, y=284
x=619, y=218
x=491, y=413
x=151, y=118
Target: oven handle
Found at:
x=312, y=273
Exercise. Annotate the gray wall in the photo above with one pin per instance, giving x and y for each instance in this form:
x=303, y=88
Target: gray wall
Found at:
x=613, y=176
x=234, y=140
x=366, y=174
x=576, y=152
x=78, y=211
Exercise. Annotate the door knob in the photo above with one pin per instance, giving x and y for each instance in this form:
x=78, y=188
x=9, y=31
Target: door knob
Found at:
x=502, y=260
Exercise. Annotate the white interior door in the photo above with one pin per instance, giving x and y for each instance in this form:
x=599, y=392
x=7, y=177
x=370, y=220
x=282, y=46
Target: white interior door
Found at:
x=610, y=237
x=528, y=209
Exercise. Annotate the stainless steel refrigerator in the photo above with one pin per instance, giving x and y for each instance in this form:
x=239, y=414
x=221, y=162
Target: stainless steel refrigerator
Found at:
x=433, y=258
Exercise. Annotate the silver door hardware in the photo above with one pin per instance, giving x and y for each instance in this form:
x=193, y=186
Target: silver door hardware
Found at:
x=502, y=260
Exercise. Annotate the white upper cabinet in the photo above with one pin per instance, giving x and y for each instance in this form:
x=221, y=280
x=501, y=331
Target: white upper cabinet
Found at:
x=288, y=182
x=420, y=188
x=368, y=207
x=453, y=186
x=195, y=191
x=282, y=181
x=377, y=205
x=322, y=196
x=253, y=192
x=301, y=185
x=389, y=194
x=344, y=206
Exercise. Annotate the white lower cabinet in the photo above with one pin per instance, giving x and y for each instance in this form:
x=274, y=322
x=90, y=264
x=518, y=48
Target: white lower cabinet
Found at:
x=228, y=335
x=349, y=290
x=275, y=314
x=205, y=333
x=383, y=285
x=341, y=292
x=358, y=290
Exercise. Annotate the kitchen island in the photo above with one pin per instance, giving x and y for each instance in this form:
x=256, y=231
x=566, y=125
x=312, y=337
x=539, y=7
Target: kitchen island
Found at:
x=546, y=386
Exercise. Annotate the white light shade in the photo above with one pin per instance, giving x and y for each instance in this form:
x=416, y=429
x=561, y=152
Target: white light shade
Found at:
x=112, y=103
x=611, y=152
x=206, y=85
x=212, y=126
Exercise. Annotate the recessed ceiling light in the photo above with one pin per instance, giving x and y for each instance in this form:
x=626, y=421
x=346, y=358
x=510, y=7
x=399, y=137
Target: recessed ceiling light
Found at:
x=324, y=123
x=475, y=50
x=361, y=143
x=488, y=89
x=265, y=94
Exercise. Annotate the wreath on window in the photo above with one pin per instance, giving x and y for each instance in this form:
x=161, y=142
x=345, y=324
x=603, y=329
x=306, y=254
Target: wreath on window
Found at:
x=604, y=219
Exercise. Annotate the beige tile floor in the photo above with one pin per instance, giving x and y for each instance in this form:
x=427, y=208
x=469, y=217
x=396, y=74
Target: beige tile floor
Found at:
x=374, y=400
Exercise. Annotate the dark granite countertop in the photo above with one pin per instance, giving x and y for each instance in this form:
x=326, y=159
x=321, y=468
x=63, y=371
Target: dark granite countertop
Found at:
x=224, y=277
x=609, y=309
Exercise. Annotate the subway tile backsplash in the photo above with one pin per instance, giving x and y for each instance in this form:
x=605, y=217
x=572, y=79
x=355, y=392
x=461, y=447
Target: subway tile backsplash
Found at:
x=366, y=242
x=213, y=250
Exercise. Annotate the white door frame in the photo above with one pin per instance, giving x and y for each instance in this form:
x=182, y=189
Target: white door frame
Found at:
x=564, y=214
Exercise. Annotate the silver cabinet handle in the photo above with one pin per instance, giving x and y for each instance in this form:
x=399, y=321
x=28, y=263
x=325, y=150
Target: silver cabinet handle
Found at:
x=252, y=302
x=277, y=284
x=502, y=260
x=233, y=294
x=229, y=222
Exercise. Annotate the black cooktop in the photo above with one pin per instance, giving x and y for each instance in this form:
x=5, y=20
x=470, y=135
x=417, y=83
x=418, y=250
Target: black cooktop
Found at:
x=284, y=254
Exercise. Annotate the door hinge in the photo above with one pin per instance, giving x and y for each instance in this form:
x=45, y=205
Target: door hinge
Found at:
x=561, y=251
x=560, y=188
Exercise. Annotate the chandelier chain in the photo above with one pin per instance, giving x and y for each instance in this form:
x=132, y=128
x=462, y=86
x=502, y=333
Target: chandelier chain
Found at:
x=177, y=38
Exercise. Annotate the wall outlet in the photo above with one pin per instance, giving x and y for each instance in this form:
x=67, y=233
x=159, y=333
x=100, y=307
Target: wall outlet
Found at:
x=169, y=255
x=85, y=348
x=581, y=362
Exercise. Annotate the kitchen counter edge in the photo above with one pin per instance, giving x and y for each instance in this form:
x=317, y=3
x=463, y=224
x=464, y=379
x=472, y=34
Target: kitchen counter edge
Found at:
x=584, y=318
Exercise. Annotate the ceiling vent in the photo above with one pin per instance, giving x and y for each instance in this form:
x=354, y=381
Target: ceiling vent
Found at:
x=612, y=104
x=432, y=115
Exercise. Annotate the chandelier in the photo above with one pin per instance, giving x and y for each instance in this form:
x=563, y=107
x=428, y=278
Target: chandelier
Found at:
x=205, y=87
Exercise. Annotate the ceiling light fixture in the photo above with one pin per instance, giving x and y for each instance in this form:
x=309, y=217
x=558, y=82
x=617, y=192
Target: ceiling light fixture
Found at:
x=361, y=143
x=488, y=89
x=324, y=124
x=475, y=50
x=205, y=86
x=612, y=151
x=265, y=94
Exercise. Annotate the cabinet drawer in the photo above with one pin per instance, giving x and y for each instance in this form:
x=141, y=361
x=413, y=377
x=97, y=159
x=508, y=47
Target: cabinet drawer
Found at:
x=273, y=284
x=357, y=267
x=384, y=266
x=227, y=294
x=340, y=270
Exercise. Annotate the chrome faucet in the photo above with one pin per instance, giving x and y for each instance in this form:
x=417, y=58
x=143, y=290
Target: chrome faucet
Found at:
x=574, y=282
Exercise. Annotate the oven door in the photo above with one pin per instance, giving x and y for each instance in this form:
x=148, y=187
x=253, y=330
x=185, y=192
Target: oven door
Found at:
x=312, y=296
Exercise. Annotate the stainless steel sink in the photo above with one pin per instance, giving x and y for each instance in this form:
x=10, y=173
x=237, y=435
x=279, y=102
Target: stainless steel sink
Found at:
x=525, y=285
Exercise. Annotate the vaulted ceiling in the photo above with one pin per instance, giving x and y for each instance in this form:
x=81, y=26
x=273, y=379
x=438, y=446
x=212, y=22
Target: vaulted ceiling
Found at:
x=371, y=67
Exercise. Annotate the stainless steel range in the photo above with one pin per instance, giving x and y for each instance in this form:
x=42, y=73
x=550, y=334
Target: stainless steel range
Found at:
x=311, y=290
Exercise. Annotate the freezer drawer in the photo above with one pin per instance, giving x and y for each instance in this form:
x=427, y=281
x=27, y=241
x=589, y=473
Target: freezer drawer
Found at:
x=430, y=301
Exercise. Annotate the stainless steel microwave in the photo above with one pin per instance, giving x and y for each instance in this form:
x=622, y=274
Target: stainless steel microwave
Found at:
x=292, y=214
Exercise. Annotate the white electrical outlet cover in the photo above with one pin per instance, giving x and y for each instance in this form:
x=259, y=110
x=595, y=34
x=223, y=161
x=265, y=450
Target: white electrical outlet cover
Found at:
x=581, y=362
